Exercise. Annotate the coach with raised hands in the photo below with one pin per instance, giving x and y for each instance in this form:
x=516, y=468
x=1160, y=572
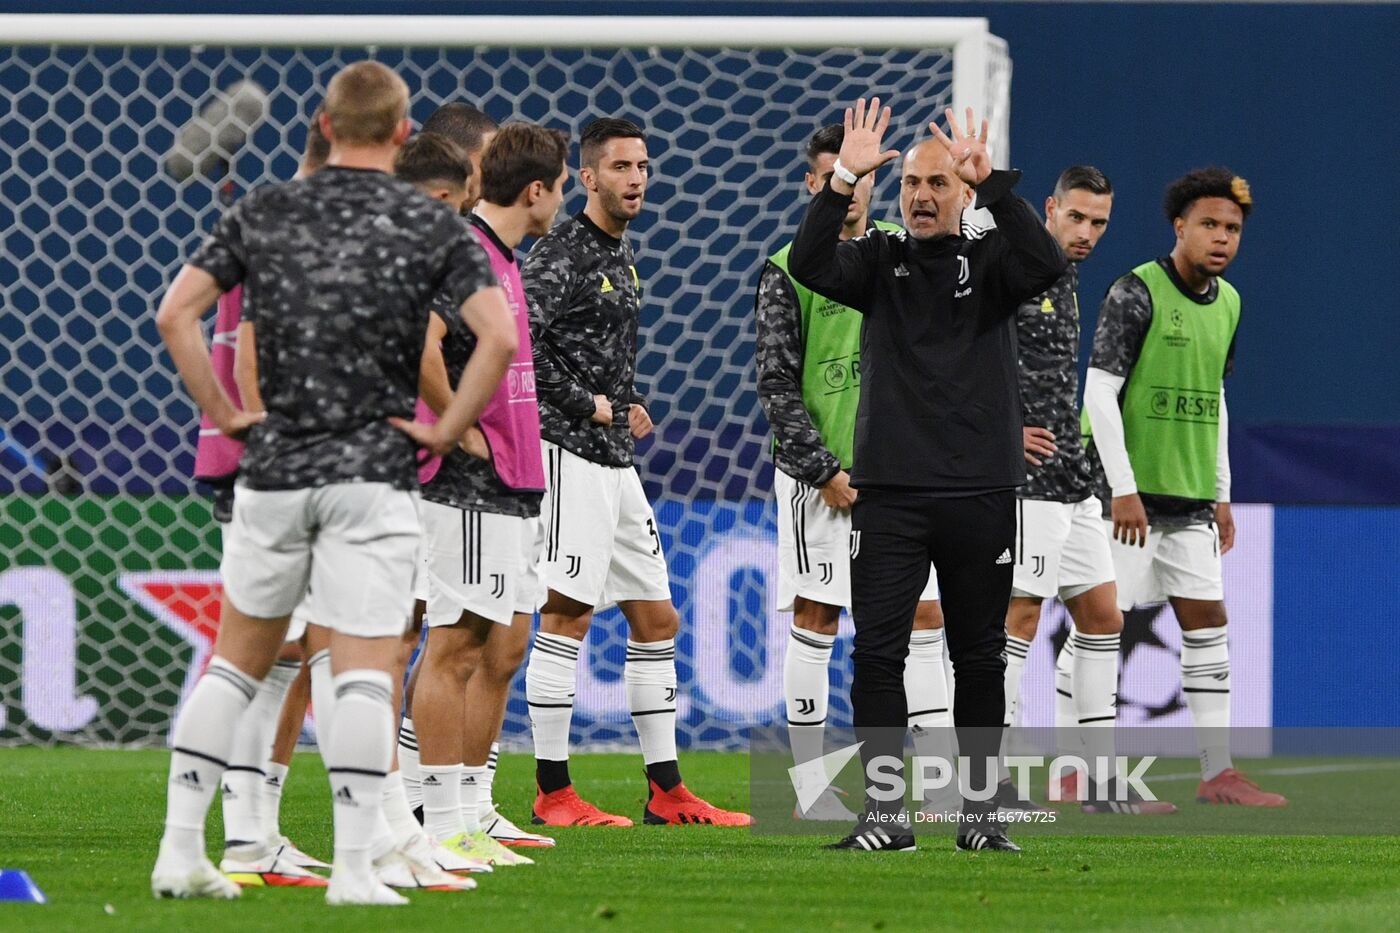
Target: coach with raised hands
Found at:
x=938, y=445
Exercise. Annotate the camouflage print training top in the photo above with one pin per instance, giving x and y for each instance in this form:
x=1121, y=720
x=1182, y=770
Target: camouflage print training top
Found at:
x=585, y=303
x=337, y=271
x=1047, y=337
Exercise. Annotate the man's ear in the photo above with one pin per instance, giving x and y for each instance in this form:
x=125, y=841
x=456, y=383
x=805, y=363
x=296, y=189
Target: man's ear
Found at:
x=1050, y=207
x=588, y=177
x=813, y=185
x=405, y=130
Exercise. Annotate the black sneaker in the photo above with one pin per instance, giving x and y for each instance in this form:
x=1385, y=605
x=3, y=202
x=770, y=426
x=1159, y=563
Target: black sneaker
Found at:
x=991, y=838
x=1007, y=799
x=875, y=839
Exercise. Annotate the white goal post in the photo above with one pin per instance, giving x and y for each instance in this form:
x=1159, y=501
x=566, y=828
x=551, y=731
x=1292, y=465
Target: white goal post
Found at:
x=102, y=530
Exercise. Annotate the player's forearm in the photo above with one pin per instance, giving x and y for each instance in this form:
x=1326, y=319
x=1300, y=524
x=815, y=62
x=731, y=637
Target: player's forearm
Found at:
x=185, y=341
x=1106, y=421
x=434, y=387
x=554, y=385
x=816, y=258
x=800, y=450
x=1222, y=455
x=245, y=367
x=192, y=293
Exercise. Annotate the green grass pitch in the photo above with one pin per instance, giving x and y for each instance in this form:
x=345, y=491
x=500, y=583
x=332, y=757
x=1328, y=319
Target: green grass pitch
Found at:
x=85, y=825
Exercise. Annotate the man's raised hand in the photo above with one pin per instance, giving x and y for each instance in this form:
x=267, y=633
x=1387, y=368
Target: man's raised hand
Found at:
x=860, y=147
x=971, y=160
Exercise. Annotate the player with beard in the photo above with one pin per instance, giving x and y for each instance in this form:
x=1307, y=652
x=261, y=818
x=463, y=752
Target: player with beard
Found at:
x=1061, y=545
x=1155, y=402
x=808, y=356
x=602, y=545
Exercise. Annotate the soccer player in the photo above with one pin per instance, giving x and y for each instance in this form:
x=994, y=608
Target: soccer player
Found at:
x=602, y=545
x=325, y=491
x=481, y=512
x=1155, y=402
x=808, y=355
x=255, y=851
x=472, y=130
x=938, y=443
x=1061, y=544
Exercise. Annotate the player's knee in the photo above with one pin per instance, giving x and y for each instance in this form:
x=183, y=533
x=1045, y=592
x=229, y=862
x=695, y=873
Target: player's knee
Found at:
x=500, y=663
x=1023, y=618
x=1202, y=616
x=657, y=622
x=451, y=658
x=812, y=616
x=928, y=615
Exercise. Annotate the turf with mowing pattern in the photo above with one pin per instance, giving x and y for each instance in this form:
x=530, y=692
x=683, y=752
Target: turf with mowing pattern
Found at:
x=85, y=825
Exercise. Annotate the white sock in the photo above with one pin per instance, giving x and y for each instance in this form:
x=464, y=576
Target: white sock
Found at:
x=442, y=801
x=409, y=766
x=1096, y=694
x=358, y=756
x=650, y=677
x=473, y=777
x=488, y=781
x=926, y=692
x=201, y=743
x=1066, y=713
x=273, y=785
x=397, y=813
x=1205, y=679
x=807, y=690
x=1016, y=651
x=243, y=780
x=551, y=678
x=925, y=686
x=322, y=699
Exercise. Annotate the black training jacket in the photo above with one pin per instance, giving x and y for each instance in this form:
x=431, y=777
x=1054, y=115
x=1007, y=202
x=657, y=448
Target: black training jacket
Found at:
x=940, y=406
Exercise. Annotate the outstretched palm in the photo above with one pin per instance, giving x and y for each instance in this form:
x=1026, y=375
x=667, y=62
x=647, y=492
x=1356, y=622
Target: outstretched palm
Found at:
x=971, y=160
x=865, y=129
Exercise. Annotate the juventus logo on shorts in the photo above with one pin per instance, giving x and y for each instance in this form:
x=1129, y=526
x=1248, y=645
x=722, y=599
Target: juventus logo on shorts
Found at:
x=575, y=565
x=855, y=544
x=806, y=706
x=826, y=569
x=1038, y=565
x=498, y=585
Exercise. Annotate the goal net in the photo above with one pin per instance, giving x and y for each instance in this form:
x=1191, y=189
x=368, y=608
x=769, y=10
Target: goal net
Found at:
x=127, y=136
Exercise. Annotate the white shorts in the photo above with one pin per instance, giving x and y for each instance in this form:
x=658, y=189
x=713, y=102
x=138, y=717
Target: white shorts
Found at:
x=814, y=548
x=1061, y=548
x=602, y=545
x=1178, y=561
x=481, y=562
x=352, y=544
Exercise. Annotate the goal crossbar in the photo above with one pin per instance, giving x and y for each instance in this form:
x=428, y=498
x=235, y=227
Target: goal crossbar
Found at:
x=139, y=29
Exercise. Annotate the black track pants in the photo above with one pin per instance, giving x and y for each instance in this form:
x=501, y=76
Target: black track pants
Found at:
x=895, y=536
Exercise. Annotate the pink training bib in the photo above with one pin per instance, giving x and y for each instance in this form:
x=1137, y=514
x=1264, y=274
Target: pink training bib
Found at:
x=511, y=421
x=216, y=456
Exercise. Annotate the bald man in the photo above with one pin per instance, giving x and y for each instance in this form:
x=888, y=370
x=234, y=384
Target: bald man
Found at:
x=938, y=444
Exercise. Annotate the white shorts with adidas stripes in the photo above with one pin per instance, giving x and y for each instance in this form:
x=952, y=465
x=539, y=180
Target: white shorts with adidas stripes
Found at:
x=481, y=562
x=1182, y=561
x=602, y=545
x=814, y=548
x=1061, y=548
